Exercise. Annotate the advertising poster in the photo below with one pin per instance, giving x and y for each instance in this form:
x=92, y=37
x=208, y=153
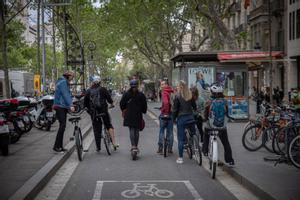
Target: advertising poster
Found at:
x=201, y=75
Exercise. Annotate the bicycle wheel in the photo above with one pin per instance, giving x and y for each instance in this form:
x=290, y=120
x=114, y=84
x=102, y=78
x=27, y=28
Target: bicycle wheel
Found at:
x=165, y=147
x=78, y=142
x=213, y=170
x=284, y=139
x=294, y=151
x=188, y=144
x=107, y=142
x=197, y=150
x=268, y=136
x=252, y=138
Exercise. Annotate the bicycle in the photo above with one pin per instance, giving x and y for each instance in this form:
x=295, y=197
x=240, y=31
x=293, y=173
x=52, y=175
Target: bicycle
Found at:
x=78, y=136
x=213, y=149
x=106, y=135
x=294, y=151
x=192, y=144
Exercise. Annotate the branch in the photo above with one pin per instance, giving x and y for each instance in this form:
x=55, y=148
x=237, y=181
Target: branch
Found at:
x=11, y=18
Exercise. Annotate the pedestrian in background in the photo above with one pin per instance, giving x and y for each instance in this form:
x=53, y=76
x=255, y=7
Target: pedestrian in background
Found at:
x=133, y=104
x=165, y=118
x=183, y=111
x=62, y=103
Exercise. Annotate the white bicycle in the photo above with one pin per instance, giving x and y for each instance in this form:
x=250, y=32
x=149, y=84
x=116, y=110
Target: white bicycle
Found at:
x=149, y=190
x=213, y=149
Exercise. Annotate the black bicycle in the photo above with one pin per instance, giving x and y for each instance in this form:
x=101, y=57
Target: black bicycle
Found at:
x=166, y=144
x=78, y=136
x=192, y=145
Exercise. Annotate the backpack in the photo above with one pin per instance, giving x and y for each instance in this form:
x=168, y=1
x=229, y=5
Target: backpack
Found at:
x=95, y=100
x=217, y=113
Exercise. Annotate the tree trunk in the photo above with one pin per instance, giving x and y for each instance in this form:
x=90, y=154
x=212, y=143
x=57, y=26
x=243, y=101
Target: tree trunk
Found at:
x=4, y=49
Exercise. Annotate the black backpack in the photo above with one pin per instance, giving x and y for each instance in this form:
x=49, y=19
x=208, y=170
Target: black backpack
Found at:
x=95, y=99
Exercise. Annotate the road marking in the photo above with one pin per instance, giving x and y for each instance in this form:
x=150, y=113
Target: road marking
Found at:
x=188, y=184
x=57, y=183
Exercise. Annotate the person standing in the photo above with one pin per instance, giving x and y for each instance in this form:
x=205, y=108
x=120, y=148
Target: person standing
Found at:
x=165, y=118
x=133, y=104
x=183, y=111
x=95, y=101
x=62, y=103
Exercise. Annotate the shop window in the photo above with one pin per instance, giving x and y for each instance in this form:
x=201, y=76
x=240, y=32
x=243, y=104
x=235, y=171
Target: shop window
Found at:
x=1, y=89
x=233, y=82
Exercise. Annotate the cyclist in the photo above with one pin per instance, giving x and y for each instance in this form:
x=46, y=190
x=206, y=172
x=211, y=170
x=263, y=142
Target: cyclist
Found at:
x=198, y=114
x=62, y=103
x=183, y=111
x=95, y=101
x=133, y=104
x=165, y=118
x=215, y=113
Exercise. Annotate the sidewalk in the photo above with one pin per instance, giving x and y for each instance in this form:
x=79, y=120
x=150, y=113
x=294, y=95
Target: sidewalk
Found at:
x=29, y=155
x=262, y=178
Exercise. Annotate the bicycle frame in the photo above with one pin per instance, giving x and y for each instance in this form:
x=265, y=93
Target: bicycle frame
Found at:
x=213, y=144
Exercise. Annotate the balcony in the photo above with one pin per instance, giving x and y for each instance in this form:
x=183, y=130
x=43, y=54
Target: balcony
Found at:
x=259, y=11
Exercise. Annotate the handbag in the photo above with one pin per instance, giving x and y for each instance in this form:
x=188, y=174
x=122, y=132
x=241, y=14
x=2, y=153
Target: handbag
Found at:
x=142, y=124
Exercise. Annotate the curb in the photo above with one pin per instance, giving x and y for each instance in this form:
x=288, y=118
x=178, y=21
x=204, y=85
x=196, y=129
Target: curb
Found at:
x=241, y=179
x=35, y=184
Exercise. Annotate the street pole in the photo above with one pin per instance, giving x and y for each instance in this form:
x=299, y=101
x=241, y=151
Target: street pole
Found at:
x=65, y=38
x=38, y=38
x=43, y=48
x=270, y=52
x=54, y=43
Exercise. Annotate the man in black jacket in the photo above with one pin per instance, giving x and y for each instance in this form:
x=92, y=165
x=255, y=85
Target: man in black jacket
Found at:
x=103, y=97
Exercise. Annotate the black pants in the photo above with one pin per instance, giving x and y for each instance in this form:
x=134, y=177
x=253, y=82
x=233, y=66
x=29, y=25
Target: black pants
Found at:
x=61, y=115
x=97, y=127
x=224, y=139
x=199, y=123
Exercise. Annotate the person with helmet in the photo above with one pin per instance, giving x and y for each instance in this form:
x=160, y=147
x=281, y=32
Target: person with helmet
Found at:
x=62, y=103
x=216, y=111
x=133, y=104
x=95, y=101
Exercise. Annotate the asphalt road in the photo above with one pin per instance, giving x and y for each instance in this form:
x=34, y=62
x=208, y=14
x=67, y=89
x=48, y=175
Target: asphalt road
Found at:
x=100, y=176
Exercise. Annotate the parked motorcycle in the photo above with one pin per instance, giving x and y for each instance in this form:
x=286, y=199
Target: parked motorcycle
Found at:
x=23, y=108
x=44, y=115
x=4, y=136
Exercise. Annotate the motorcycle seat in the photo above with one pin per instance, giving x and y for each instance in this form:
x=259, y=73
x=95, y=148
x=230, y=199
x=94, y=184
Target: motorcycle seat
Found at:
x=73, y=119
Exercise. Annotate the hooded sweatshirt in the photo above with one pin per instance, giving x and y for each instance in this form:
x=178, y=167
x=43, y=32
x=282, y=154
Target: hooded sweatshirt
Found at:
x=166, y=104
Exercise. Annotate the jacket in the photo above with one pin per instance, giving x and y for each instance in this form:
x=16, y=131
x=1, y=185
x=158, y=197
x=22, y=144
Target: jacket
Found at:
x=133, y=107
x=166, y=103
x=62, y=96
x=183, y=107
x=105, y=98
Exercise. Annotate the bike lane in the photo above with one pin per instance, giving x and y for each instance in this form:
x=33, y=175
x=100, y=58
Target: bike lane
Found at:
x=152, y=176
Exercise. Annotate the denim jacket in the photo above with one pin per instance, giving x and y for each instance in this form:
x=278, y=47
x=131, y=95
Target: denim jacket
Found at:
x=62, y=96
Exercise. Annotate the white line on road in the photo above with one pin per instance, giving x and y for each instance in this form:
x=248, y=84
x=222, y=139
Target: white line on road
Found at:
x=57, y=183
x=98, y=190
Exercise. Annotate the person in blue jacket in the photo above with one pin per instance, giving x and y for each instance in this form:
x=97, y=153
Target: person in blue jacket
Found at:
x=62, y=103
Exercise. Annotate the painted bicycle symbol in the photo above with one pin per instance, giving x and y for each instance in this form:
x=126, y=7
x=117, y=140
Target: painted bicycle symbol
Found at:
x=148, y=189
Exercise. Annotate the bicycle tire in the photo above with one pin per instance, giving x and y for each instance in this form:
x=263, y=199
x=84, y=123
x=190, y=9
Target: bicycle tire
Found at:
x=165, y=147
x=106, y=141
x=268, y=136
x=294, y=151
x=255, y=142
x=213, y=170
x=189, y=150
x=78, y=142
x=197, y=150
x=291, y=132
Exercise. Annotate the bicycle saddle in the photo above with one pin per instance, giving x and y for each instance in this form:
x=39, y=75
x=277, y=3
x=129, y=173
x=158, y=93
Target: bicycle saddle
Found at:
x=73, y=119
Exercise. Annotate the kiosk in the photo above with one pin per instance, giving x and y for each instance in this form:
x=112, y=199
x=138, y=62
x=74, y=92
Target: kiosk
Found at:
x=202, y=69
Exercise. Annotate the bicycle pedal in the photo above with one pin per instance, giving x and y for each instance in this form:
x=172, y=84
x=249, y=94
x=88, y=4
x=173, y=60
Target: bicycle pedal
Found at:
x=71, y=138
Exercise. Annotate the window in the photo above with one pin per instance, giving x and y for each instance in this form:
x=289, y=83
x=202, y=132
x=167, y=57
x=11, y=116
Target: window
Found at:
x=290, y=26
x=298, y=24
x=1, y=89
x=293, y=25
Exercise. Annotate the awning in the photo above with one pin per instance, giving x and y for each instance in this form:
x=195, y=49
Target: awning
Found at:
x=246, y=56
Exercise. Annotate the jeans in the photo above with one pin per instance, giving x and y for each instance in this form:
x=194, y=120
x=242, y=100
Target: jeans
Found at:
x=165, y=124
x=181, y=125
x=61, y=115
x=224, y=139
x=134, y=136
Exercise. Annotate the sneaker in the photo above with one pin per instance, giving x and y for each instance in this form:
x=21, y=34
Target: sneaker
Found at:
x=98, y=149
x=231, y=163
x=179, y=161
x=63, y=149
x=58, y=150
